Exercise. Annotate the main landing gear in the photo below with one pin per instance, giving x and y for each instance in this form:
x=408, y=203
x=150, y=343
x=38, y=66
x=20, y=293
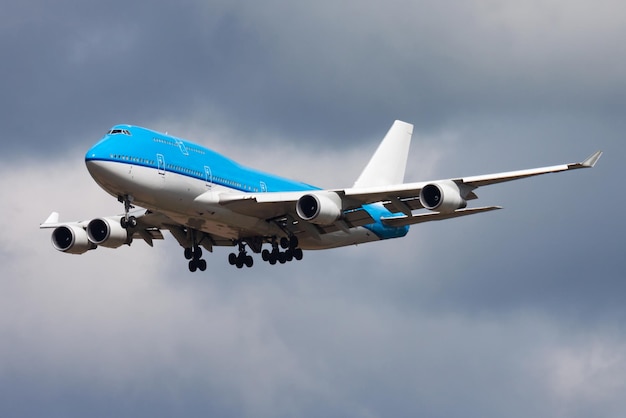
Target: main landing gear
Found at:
x=242, y=258
x=290, y=245
x=194, y=255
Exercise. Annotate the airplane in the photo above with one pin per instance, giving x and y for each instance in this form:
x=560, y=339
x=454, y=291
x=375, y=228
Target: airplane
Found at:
x=207, y=200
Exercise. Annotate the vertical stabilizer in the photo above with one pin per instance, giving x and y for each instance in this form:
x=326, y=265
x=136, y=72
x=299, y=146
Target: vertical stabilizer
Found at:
x=387, y=165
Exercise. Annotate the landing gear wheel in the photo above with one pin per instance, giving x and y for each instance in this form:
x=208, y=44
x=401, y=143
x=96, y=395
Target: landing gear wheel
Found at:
x=284, y=243
x=202, y=265
x=297, y=254
x=232, y=259
x=289, y=255
x=248, y=261
x=265, y=255
x=293, y=242
x=130, y=223
x=193, y=266
x=188, y=253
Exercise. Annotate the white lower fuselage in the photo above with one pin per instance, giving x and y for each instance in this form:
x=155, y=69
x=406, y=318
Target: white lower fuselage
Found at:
x=173, y=195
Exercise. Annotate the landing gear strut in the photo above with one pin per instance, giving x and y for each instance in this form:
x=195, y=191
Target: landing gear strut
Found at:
x=127, y=221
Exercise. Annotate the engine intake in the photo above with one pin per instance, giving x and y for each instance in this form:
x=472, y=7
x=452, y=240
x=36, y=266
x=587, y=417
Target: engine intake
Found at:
x=107, y=232
x=443, y=197
x=319, y=208
x=71, y=239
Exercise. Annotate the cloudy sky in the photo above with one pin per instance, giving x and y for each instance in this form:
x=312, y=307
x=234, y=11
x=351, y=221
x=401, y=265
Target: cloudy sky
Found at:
x=515, y=313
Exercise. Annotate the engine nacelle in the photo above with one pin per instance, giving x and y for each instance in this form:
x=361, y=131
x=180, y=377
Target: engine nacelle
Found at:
x=442, y=197
x=107, y=232
x=319, y=208
x=71, y=239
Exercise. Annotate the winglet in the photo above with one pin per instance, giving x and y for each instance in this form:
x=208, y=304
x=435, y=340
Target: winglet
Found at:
x=52, y=219
x=592, y=159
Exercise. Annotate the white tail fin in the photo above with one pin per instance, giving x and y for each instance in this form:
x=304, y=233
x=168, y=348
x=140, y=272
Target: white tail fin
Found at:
x=387, y=165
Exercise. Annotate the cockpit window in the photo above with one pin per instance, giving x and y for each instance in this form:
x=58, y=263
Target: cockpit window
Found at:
x=119, y=132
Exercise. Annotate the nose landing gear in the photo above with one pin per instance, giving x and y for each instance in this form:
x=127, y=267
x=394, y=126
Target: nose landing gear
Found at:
x=127, y=221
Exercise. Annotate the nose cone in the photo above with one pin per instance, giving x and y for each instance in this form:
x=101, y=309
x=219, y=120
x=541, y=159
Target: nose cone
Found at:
x=99, y=161
x=99, y=151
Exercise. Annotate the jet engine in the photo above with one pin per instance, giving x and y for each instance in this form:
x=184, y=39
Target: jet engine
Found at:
x=319, y=208
x=107, y=232
x=443, y=197
x=71, y=239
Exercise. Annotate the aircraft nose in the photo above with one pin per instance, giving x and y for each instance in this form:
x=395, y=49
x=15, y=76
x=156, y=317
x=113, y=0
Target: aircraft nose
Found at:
x=98, y=151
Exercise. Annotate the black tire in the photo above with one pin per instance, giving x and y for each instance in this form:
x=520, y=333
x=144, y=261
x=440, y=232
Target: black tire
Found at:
x=197, y=253
x=297, y=254
x=132, y=221
x=265, y=255
x=249, y=261
x=188, y=253
x=289, y=255
x=293, y=242
x=202, y=265
x=284, y=243
x=232, y=259
x=193, y=266
x=123, y=223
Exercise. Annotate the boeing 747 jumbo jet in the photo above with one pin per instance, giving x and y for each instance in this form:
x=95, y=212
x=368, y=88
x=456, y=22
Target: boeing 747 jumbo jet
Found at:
x=206, y=200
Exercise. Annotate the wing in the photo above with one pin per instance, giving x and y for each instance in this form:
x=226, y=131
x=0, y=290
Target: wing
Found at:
x=409, y=194
x=401, y=198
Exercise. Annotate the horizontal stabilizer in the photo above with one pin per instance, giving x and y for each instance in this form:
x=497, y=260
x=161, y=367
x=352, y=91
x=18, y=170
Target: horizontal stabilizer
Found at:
x=398, y=221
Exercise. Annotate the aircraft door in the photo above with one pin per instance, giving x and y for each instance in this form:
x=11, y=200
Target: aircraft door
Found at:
x=161, y=164
x=208, y=177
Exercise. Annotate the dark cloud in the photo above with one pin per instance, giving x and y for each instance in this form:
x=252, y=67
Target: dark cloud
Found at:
x=319, y=69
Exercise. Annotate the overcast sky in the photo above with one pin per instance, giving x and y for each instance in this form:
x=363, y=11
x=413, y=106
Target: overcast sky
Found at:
x=515, y=313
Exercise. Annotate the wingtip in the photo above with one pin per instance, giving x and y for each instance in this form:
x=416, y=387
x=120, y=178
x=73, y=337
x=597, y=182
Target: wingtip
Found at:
x=592, y=159
x=52, y=219
x=51, y=222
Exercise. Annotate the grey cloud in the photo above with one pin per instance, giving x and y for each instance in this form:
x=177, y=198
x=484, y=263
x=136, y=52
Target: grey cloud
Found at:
x=270, y=67
x=510, y=313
